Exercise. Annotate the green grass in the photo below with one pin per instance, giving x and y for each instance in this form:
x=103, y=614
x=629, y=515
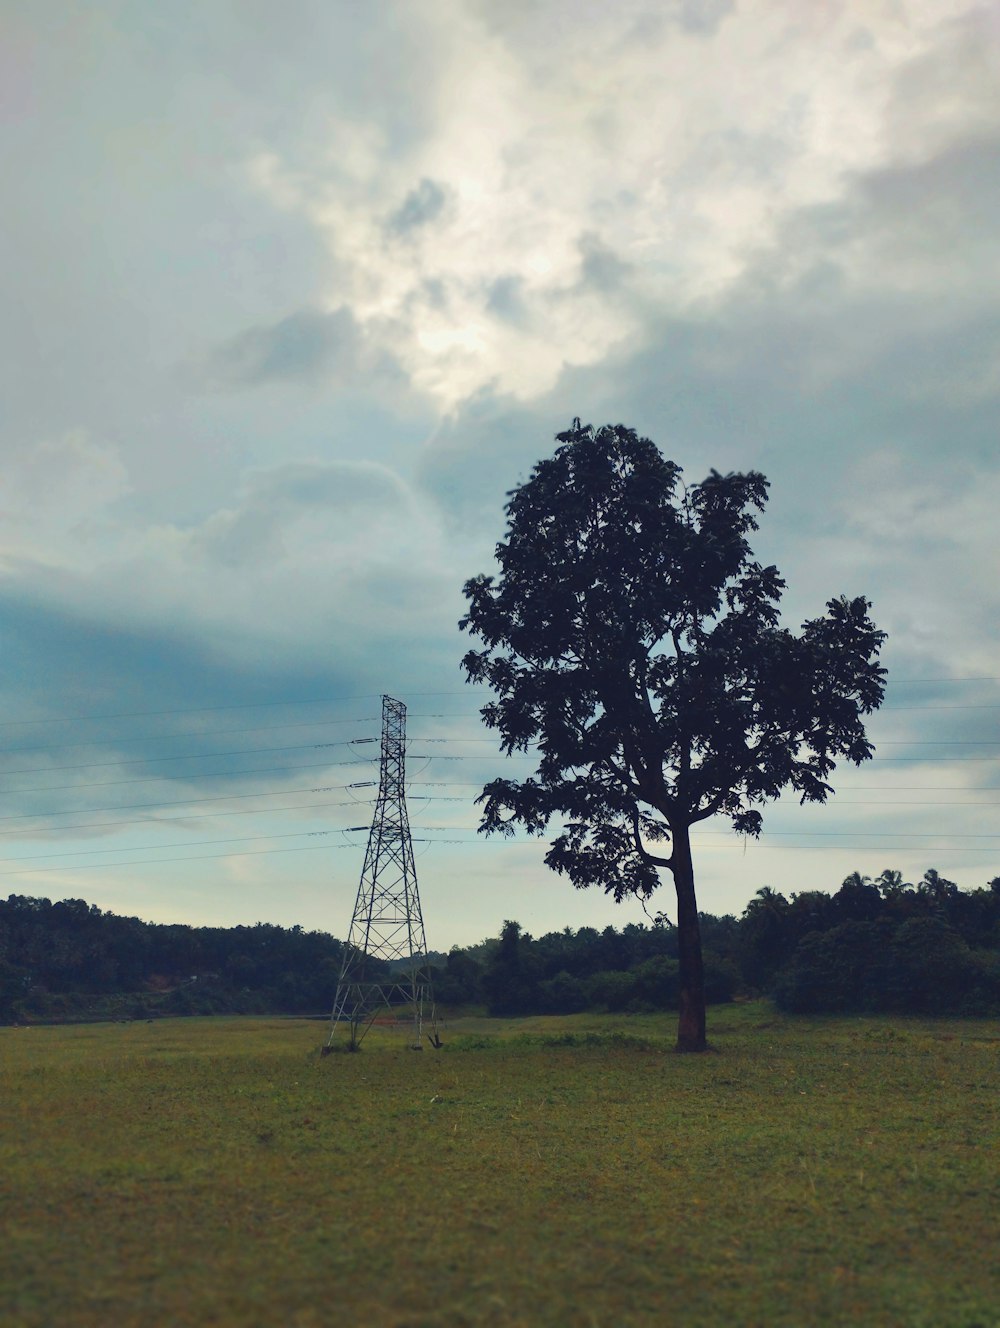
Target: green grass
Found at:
x=534, y=1172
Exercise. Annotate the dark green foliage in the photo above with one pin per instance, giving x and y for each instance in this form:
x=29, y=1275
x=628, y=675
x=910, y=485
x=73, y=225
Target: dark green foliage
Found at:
x=924, y=949
x=563, y=994
x=846, y=968
x=632, y=633
x=565, y=972
x=874, y=945
x=510, y=981
x=57, y=960
x=459, y=980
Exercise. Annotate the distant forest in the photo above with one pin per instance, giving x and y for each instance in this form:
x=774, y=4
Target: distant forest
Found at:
x=875, y=945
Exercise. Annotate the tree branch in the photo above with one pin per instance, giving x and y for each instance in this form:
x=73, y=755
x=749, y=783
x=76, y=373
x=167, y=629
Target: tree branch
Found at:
x=641, y=849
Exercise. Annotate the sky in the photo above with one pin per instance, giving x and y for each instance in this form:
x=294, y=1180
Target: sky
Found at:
x=292, y=296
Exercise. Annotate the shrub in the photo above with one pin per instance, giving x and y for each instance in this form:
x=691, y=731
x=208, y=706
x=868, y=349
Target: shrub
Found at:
x=845, y=968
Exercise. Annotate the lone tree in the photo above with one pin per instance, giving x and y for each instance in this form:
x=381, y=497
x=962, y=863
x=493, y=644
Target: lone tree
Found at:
x=632, y=638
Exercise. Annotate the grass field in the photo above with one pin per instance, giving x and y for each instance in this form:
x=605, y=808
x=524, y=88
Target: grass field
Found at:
x=533, y=1172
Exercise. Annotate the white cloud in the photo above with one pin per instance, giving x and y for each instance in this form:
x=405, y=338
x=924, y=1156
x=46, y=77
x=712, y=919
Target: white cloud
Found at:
x=924, y=534
x=684, y=144
x=56, y=495
x=309, y=557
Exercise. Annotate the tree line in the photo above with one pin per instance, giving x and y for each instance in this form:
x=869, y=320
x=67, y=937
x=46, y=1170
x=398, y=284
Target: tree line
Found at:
x=70, y=959
x=882, y=945
x=875, y=945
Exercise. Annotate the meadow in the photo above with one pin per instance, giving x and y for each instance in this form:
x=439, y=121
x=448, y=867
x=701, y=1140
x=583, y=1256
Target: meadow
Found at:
x=546, y=1171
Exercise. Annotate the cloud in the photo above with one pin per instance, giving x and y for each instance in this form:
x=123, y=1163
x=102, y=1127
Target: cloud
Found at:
x=421, y=206
x=148, y=681
x=704, y=15
x=319, y=579
x=59, y=497
x=308, y=344
x=400, y=247
x=73, y=466
x=309, y=558
x=288, y=512
x=856, y=362
x=642, y=127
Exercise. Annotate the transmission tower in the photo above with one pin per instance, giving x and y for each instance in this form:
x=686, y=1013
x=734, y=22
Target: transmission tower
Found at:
x=387, y=928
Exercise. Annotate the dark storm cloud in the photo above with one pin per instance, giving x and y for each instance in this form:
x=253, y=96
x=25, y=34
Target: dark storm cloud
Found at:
x=150, y=694
x=72, y=664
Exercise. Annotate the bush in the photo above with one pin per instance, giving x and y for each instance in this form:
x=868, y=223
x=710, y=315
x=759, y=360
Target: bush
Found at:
x=563, y=994
x=613, y=991
x=843, y=969
x=935, y=972
x=722, y=979
x=922, y=966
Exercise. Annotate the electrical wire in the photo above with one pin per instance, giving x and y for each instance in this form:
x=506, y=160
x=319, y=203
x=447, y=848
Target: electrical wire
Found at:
x=194, y=857
x=184, y=802
x=172, y=820
x=185, y=843
x=47, y=831
x=202, y=774
x=314, y=848
x=187, y=756
x=774, y=848
x=361, y=720
x=424, y=839
x=370, y=696
x=204, y=733
x=206, y=710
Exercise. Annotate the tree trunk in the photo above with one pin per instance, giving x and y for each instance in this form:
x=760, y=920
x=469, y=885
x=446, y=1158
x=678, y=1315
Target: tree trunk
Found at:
x=691, y=1024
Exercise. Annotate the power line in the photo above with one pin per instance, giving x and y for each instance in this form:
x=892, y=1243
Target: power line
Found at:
x=360, y=720
x=864, y=834
x=766, y=834
x=187, y=843
x=194, y=857
x=916, y=788
x=368, y=696
x=172, y=820
x=882, y=709
x=774, y=848
x=196, y=802
x=205, y=710
x=184, y=802
x=481, y=843
x=239, y=751
x=183, y=734
x=902, y=682
x=186, y=710
x=429, y=757
x=202, y=774
x=187, y=756
x=204, y=733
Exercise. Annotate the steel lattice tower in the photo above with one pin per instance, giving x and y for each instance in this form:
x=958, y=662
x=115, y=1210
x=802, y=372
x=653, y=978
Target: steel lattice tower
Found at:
x=387, y=924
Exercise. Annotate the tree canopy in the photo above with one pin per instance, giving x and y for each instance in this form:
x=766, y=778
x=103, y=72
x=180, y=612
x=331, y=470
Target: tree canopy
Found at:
x=633, y=638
